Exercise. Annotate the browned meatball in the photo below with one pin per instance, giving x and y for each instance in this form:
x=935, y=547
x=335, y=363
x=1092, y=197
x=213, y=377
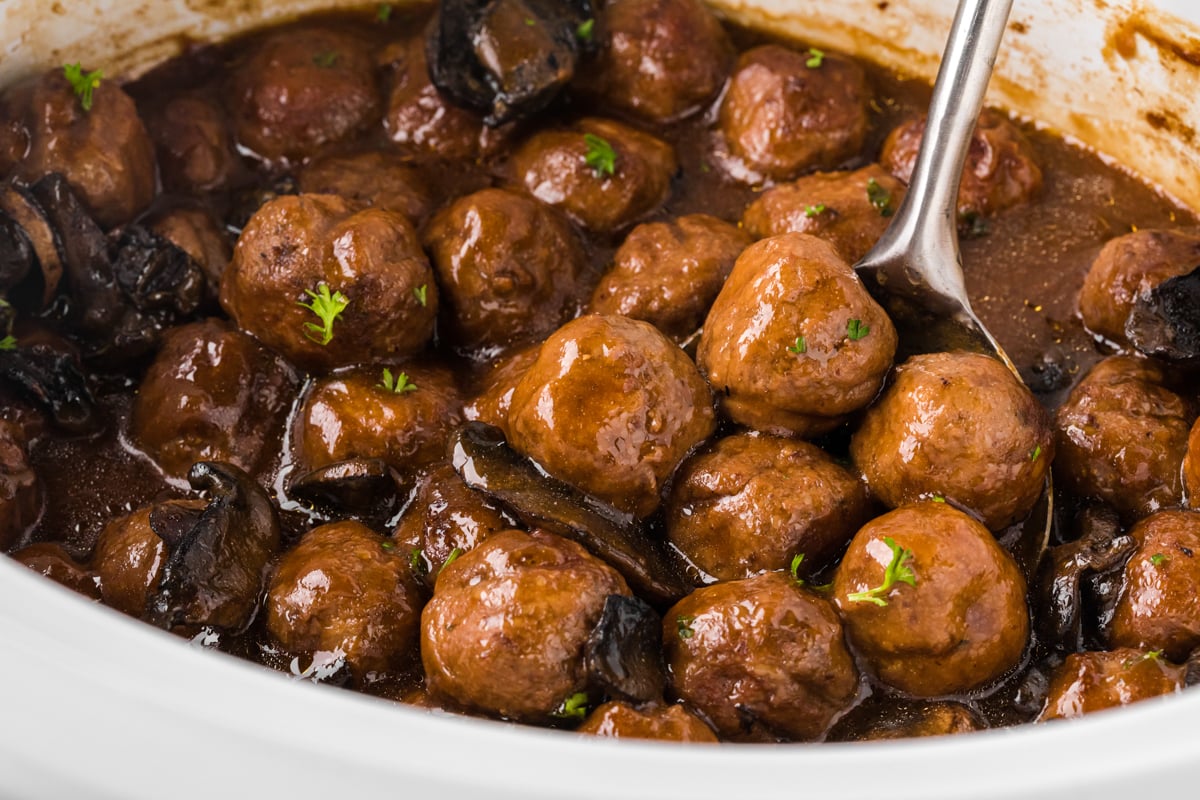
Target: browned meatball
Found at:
x=1191, y=467
x=909, y=720
x=753, y=502
x=794, y=342
x=195, y=144
x=372, y=178
x=786, y=112
x=567, y=169
x=357, y=415
x=371, y=259
x=103, y=152
x=960, y=426
x=505, y=630
x=844, y=208
x=53, y=561
x=611, y=406
x=301, y=90
x=507, y=265
x=1000, y=172
x=620, y=720
x=1127, y=268
x=129, y=557
x=1088, y=682
x=347, y=590
x=1122, y=436
x=20, y=490
x=953, y=617
x=494, y=398
x=197, y=233
x=445, y=515
x=669, y=273
x=659, y=59
x=212, y=394
x=1159, y=604
x=761, y=658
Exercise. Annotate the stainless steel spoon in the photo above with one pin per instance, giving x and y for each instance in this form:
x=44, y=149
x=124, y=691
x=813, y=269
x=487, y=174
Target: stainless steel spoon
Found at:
x=915, y=269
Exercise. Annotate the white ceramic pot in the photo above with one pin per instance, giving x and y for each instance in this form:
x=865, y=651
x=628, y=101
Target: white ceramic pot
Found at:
x=93, y=704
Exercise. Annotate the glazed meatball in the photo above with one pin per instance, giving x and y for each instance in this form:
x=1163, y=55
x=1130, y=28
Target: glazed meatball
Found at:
x=505, y=630
x=371, y=259
x=445, y=515
x=195, y=232
x=906, y=720
x=212, y=394
x=1122, y=436
x=752, y=503
x=301, y=90
x=1000, y=172
x=787, y=112
x=953, y=616
x=345, y=589
x=359, y=415
x=619, y=720
x=194, y=143
x=53, y=561
x=20, y=490
x=507, y=265
x=793, y=342
x=104, y=152
x=1191, y=467
x=1088, y=682
x=761, y=658
x=611, y=406
x=371, y=178
x=669, y=273
x=844, y=208
x=1157, y=607
x=1127, y=268
x=960, y=426
x=494, y=397
x=569, y=169
x=664, y=59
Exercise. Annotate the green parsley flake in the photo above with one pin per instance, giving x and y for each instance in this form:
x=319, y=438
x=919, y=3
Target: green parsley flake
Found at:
x=600, y=155
x=450, y=559
x=937, y=498
x=327, y=307
x=574, y=707
x=388, y=544
x=815, y=58
x=1153, y=655
x=801, y=346
x=795, y=568
x=384, y=13
x=9, y=342
x=880, y=197
x=416, y=560
x=812, y=211
x=422, y=294
x=586, y=30
x=855, y=330
x=82, y=83
x=1036, y=453
x=1157, y=559
x=897, y=571
x=684, y=626
x=398, y=384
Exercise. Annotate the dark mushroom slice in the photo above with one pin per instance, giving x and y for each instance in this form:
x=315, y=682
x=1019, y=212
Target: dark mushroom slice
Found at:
x=354, y=486
x=1165, y=321
x=25, y=211
x=51, y=379
x=507, y=58
x=623, y=653
x=215, y=574
x=482, y=457
x=16, y=253
x=156, y=274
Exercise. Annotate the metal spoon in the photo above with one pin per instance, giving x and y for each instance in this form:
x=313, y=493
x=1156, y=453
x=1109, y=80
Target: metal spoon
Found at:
x=915, y=269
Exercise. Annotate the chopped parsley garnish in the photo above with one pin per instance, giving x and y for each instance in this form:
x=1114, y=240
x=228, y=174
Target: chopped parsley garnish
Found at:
x=812, y=211
x=422, y=294
x=9, y=342
x=388, y=544
x=815, y=58
x=416, y=560
x=585, y=30
x=684, y=626
x=450, y=559
x=327, y=307
x=795, y=568
x=1157, y=559
x=384, y=13
x=1036, y=453
x=855, y=330
x=880, y=197
x=937, y=498
x=574, y=707
x=82, y=83
x=325, y=60
x=799, y=347
x=398, y=383
x=600, y=155
x=531, y=22
x=1153, y=655
x=897, y=571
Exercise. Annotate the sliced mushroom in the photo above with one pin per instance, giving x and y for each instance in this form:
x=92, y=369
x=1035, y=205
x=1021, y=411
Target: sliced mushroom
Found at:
x=156, y=275
x=16, y=254
x=216, y=571
x=51, y=379
x=1165, y=322
x=19, y=205
x=623, y=653
x=356, y=486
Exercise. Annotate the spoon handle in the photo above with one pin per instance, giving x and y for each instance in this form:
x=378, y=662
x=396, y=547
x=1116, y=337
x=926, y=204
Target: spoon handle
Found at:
x=924, y=231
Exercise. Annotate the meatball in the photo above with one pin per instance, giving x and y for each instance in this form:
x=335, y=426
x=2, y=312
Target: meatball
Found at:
x=507, y=265
x=104, y=152
x=1159, y=604
x=761, y=658
x=669, y=273
x=787, y=112
x=20, y=490
x=1122, y=436
x=664, y=59
x=1000, y=171
x=53, y=561
x=370, y=259
x=1127, y=268
x=604, y=174
x=212, y=394
x=931, y=602
x=345, y=589
x=1088, y=682
x=620, y=720
x=403, y=419
x=611, y=406
x=962, y=427
x=752, y=503
x=195, y=232
x=909, y=720
x=505, y=630
x=445, y=515
x=371, y=178
x=793, y=342
x=1191, y=467
x=194, y=143
x=844, y=208
x=301, y=90
x=494, y=396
